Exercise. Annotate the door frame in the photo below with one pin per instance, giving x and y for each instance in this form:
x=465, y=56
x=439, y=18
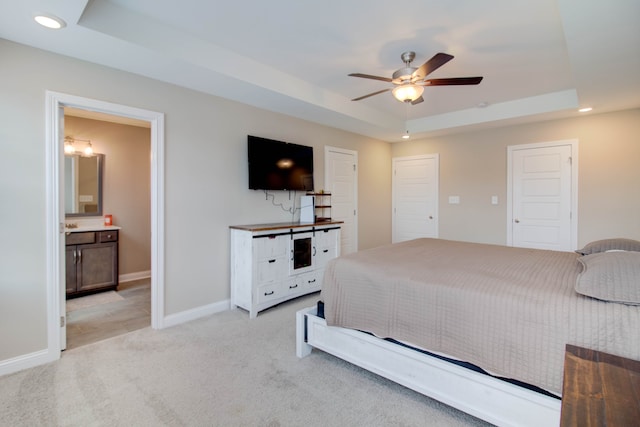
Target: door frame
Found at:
x=574, y=185
x=327, y=184
x=54, y=159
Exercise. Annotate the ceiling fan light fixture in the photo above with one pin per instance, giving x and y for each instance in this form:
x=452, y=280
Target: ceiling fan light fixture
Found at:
x=407, y=92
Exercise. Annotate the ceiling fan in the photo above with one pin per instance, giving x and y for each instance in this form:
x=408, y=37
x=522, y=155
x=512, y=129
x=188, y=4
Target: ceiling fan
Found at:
x=410, y=81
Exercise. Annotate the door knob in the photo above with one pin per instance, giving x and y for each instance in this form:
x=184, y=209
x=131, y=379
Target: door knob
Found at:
x=517, y=221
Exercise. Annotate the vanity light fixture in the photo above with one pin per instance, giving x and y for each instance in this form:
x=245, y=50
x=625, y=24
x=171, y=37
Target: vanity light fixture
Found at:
x=585, y=110
x=50, y=21
x=70, y=148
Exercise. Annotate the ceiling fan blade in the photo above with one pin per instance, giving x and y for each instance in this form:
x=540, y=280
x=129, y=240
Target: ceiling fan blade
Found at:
x=371, y=94
x=369, y=76
x=417, y=101
x=437, y=61
x=453, y=81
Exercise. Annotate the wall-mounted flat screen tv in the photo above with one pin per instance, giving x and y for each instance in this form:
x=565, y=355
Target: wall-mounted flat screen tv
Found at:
x=278, y=165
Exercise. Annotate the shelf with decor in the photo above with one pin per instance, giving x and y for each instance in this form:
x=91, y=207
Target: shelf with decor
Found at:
x=322, y=206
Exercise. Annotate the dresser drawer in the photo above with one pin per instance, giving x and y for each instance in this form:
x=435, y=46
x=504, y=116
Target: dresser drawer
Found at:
x=108, y=236
x=269, y=292
x=80, y=238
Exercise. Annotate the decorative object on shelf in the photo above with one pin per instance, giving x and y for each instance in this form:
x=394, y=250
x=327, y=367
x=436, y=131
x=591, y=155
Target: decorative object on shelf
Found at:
x=307, y=209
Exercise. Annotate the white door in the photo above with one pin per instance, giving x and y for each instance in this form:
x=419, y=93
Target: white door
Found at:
x=415, y=197
x=341, y=180
x=62, y=289
x=543, y=195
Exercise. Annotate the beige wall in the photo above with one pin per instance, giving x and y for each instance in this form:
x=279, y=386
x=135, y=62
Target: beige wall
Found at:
x=473, y=166
x=206, y=187
x=126, y=184
x=206, y=180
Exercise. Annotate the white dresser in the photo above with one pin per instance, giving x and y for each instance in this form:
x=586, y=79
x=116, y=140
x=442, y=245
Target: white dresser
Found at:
x=272, y=263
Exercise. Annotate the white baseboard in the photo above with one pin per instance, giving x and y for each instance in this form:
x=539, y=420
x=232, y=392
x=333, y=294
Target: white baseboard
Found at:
x=25, y=361
x=195, y=313
x=129, y=277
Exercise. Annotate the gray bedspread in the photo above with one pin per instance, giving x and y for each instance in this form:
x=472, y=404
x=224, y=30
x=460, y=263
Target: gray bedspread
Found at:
x=510, y=311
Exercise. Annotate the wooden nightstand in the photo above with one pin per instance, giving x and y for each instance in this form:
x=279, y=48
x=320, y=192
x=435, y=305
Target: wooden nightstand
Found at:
x=599, y=389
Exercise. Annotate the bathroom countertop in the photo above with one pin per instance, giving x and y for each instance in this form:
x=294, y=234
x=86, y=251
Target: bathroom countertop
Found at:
x=81, y=228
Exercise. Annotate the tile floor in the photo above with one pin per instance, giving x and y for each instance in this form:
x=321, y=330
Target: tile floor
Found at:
x=108, y=320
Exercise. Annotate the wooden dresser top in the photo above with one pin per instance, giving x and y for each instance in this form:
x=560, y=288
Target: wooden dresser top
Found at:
x=282, y=225
x=599, y=389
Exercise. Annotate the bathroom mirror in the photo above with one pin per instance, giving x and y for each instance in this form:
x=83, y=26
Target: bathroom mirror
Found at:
x=83, y=184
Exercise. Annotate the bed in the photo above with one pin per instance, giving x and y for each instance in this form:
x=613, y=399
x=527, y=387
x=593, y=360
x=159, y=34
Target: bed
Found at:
x=406, y=310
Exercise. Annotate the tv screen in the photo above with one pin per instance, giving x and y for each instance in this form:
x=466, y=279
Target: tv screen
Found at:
x=278, y=165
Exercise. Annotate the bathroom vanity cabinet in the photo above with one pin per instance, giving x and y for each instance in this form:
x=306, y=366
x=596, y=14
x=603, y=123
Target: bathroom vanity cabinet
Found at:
x=91, y=261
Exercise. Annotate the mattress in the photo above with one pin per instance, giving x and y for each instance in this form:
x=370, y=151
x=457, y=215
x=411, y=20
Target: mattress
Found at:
x=510, y=311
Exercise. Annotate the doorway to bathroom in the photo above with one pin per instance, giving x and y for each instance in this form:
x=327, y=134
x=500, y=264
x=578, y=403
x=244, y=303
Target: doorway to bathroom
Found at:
x=124, y=195
x=55, y=134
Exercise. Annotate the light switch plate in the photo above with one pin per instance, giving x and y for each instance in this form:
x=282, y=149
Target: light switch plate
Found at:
x=454, y=200
x=494, y=200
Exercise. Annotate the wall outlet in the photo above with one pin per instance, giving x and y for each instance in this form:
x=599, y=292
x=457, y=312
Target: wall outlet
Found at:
x=494, y=200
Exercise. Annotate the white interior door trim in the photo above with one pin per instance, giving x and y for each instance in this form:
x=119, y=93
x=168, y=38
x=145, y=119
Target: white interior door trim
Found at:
x=55, y=214
x=574, y=185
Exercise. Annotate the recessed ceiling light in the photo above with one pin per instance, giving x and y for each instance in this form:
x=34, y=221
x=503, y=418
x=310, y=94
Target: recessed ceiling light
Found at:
x=50, y=21
x=585, y=109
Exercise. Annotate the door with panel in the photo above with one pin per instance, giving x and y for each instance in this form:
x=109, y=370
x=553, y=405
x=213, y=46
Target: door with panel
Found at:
x=543, y=196
x=341, y=180
x=415, y=197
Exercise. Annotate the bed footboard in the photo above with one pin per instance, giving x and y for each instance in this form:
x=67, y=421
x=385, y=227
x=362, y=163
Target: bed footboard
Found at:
x=480, y=395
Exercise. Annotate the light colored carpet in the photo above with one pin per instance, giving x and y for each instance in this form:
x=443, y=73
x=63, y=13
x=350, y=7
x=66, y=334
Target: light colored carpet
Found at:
x=92, y=300
x=223, y=370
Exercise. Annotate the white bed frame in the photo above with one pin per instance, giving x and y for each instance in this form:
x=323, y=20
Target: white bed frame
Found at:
x=480, y=395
